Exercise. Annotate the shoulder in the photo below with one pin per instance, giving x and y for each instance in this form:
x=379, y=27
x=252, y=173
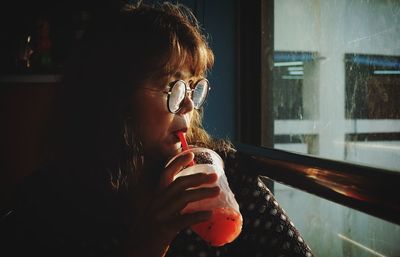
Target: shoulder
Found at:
x=239, y=169
x=235, y=162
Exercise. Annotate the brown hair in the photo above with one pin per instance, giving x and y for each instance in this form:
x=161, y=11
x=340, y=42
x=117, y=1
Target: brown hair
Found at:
x=117, y=55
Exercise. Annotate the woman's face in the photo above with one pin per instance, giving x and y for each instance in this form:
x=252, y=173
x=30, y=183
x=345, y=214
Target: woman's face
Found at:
x=157, y=126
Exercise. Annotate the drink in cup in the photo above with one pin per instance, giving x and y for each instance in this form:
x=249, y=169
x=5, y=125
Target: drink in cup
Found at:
x=226, y=222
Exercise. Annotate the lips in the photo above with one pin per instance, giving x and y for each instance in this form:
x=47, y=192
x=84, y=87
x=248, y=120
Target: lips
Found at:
x=183, y=130
x=175, y=132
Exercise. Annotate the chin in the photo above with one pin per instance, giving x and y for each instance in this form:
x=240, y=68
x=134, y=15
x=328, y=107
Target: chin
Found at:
x=172, y=151
x=166, y=152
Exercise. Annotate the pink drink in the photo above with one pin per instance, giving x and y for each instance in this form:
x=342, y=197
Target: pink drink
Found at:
x=224, y=226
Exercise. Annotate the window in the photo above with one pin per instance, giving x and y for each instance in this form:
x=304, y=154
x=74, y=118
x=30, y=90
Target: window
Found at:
x=336, y=74
x=336, y=91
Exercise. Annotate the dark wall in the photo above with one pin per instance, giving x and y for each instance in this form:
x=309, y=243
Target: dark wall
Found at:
x=25, y=105
x=219, y=22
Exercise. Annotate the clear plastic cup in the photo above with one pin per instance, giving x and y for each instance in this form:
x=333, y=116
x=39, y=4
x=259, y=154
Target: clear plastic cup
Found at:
x=226, y=222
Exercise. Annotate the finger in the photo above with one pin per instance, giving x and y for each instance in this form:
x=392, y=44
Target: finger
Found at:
x=173, y=209
x=186, y=220
x=187, y=197
x=183, y=183
x=175, y=167
x=194, y=180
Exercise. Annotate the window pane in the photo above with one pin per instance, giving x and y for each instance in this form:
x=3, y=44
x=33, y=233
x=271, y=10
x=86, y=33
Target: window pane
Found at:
x=336, y=76
x=333, y=230
x=336, y=91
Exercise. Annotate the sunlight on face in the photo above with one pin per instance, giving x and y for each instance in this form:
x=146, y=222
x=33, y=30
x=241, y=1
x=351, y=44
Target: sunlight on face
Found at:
x=156, y=125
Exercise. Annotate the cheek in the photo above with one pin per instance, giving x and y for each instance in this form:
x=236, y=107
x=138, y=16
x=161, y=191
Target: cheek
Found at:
x=145, y=107
x=153, y=121
x=156, y=125
x=156, y=136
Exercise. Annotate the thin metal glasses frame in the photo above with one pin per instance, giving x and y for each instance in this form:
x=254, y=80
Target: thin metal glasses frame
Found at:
x=188, y=90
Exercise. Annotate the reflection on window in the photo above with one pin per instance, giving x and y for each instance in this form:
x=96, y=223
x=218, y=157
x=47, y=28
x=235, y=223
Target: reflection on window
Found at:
x=336, y=89
x=288, y=90
x=372, y=86
x=297, y=143
x=379, y=149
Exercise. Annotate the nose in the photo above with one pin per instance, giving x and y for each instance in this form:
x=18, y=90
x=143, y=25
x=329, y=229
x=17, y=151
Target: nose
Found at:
x=187, y=105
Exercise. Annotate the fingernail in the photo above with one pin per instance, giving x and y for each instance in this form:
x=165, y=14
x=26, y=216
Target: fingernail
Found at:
x=212, y=176
x=216, y=189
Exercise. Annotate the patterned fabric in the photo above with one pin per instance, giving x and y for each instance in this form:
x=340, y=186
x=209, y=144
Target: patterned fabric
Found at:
x=54, y=219
x=267, y=230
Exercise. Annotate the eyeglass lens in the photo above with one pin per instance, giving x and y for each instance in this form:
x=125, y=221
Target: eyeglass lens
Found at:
x=200, y=93
x=177, y=95
x=178, y=92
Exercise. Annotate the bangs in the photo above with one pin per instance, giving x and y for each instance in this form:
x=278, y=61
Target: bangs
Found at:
x=172, y=40
x=198, y=58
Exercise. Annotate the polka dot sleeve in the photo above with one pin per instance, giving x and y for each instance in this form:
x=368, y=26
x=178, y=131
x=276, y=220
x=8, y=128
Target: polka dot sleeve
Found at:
x=267, y=230
x=266, y=226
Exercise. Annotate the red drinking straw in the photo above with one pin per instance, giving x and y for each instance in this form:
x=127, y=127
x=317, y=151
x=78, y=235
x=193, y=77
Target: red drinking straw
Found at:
x=183, y=140
x=184, y=144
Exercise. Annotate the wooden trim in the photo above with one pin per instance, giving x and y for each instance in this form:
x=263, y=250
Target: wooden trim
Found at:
x=371, y=190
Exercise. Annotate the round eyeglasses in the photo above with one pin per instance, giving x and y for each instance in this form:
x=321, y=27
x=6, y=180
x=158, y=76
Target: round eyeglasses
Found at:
x=179, y=89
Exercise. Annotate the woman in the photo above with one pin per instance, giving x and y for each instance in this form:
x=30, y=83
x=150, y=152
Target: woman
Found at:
x=137, y=79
